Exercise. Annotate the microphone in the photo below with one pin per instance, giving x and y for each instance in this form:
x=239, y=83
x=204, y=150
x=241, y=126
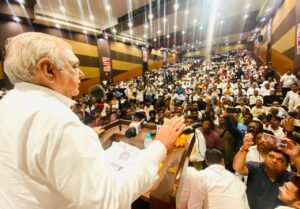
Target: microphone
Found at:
x=134, y=129
x=97, y=91
x=191, y=128
x=131, y=132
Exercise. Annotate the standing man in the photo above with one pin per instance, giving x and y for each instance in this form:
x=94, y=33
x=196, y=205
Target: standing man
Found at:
x=214, y=187
x=49, y=158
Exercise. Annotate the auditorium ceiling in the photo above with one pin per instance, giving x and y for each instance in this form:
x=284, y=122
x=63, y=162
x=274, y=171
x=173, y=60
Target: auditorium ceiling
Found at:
x=176, y=24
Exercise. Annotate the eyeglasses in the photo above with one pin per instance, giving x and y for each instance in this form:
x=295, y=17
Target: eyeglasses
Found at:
x=76, y=71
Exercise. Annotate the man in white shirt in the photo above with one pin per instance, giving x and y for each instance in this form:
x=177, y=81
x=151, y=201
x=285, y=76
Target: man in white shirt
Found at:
x=286, y=81
x=49, y=158
x=292, y=98
x=214, y=187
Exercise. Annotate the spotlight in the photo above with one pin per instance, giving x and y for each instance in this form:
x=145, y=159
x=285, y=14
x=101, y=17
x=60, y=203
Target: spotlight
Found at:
x=168, y=36
x=183, y=32
x=150, y=16
x=154, y=39
x=164, y=19
x=130, y=24
x=146, y=26
x=158, y=32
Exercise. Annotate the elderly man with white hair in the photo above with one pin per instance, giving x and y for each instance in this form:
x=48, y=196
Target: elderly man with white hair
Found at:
x=49, y=158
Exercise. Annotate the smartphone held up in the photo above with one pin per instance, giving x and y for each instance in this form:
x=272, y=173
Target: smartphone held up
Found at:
x=274, y=140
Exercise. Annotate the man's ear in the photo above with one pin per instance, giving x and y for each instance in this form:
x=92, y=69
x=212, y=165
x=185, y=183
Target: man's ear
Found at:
x=45, y=69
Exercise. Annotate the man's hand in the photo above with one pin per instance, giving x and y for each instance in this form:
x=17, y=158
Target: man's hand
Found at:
x=248, y=141
x=288, y=123
x=291, y=149
x=170, y=131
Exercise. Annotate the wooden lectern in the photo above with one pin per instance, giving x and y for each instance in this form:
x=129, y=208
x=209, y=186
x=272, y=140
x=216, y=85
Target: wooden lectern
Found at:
x=167, y=189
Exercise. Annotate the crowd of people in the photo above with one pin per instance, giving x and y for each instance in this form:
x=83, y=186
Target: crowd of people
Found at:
x=232, y=97
x=246, y=152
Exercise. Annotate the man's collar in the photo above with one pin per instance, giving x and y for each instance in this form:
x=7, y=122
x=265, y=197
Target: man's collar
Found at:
x=44, y=91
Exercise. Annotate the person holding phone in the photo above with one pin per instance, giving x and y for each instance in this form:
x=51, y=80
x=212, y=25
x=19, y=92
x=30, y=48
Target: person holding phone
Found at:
x=264, y=178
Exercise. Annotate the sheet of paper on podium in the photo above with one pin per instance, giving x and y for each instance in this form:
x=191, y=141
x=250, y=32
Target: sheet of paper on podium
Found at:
x=119, y=154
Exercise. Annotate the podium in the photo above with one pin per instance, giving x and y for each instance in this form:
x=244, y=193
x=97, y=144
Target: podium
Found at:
x=166, y=191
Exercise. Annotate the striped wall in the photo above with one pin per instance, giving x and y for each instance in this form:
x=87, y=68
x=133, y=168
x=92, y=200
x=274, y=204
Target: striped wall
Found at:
x=283, y=38
x=155, y=60
x=126, y=61
x=217, y=49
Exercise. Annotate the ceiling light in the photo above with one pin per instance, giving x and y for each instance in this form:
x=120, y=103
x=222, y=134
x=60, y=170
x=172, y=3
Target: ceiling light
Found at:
x=107, y=7
x=146, y=26
x=17, y=19
x=176, y=6
x=268, y=10
x=130, y=24
x=113, y=30
x=175, y=27
x=150, y=16
x=186, y=12
x=62, y=9
x=106, y=37
x=195, y=20
x=91, y=17
x=257, y=29
x=21, y=1
x=57, y=25
x=192, y=46
x=123, y=40
x=222, y=22
x=131, y=32
x=137, y=43
x=184, y=43
x=227, y=44
x=201, y=27
x=168, y=36
x=246, y=16
x=145, y=36
x=183, y=32
x=164, y=19
x=84, y=31
x=159, y=31
x=247, y=6
x=154, y=39
x=239, y=42
x=241, y=34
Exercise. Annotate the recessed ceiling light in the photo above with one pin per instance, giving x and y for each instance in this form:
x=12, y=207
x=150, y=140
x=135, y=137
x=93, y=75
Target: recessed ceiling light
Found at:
x=201, y=27
x=84, y=31
x=247, y=6
x=145, y=36
x=123, y=40
x=107, y=7
x=186, y=12
x=227, y=44
x=168, y=36
x=21, y=1
x=146, y=26
x=57, y=25
x=241, y=34
x=164, y=19
x=137, y=43
x=175, y=26
x=130, y=24
x=268, y=10
x=114, y=30
x=239, y=42
x=246, y=16
x=62, y=8
x=154, y=39
x=176, y=6
x=106, y=37
x=195, y=20
x=183, y=32
x=131, y=32
x=91, y=17
x=17, y=19
x=159, y=31
x=150, y=16
x=184, y=43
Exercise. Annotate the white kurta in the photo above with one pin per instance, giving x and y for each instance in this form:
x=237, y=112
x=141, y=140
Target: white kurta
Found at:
x=49, y=159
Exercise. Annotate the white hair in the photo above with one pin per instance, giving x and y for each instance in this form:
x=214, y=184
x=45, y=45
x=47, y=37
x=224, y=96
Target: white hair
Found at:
x=25, y=50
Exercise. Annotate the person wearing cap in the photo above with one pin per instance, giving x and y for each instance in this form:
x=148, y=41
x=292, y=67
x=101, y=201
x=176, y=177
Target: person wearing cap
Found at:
x=49, y=158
